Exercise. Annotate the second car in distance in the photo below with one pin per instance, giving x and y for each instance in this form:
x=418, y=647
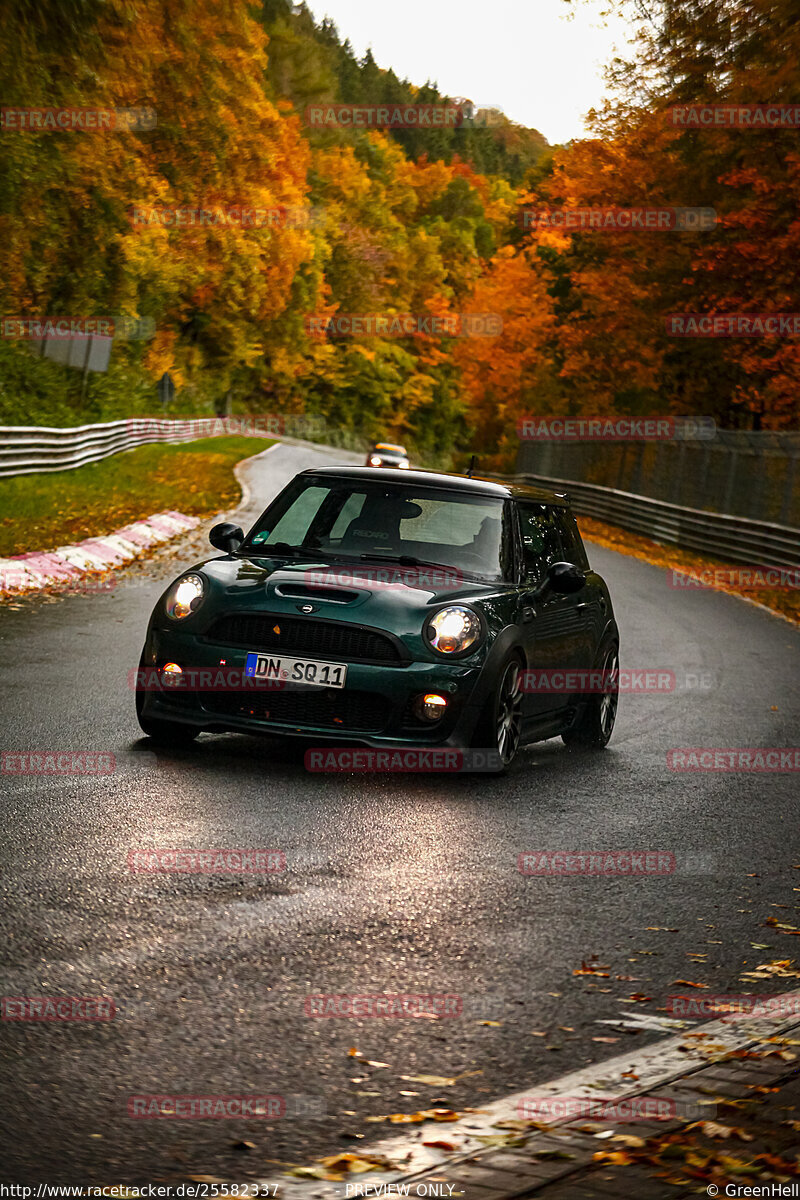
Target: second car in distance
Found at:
x=385, y=454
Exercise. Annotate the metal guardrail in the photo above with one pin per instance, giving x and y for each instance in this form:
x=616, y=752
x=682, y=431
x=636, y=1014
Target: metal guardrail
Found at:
x=29, y=449
x=736, y=539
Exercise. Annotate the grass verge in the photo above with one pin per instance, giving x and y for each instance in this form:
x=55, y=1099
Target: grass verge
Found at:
x=783, y=601
x=40, y=512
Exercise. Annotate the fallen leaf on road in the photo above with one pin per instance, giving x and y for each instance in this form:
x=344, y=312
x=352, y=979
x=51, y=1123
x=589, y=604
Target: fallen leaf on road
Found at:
x=779, y=966
x=440, y=1145
x=615, y=1158
x=604, y=1039
x=714, y=1129
x=774, y=923
x=337, y=1167
x=377, y=1065
x=538, y=1033
x=502, y=1139
x=426, y=1114
x=439, y=1080
x=660, y=929
x=592, y=968
x=689, y=983
x=628, y=1139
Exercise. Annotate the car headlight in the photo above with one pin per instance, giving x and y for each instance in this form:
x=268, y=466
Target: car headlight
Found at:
x=403, y=464
x=375, y=461
x=453, y=630
x=184, y=597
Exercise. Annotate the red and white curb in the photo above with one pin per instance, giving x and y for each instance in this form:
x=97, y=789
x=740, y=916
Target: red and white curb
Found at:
x=651, y=1066
x=67, y=565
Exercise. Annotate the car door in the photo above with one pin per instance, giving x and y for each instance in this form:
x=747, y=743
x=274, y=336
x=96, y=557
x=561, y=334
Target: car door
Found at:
x=592, y=600
x=555, y=633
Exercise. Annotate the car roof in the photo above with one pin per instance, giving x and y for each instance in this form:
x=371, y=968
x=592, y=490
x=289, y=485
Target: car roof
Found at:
x=505, y=489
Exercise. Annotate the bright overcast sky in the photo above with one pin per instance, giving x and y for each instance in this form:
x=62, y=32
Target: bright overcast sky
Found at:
x=523, y=56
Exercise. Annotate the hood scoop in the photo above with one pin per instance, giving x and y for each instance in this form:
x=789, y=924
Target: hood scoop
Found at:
x=304, y=591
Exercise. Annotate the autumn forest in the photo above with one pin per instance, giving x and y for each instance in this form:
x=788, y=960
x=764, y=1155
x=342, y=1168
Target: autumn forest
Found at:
x=394, y=221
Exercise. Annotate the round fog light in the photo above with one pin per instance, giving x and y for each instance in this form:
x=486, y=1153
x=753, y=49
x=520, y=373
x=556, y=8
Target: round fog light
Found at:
x=171, y=674
x=430, y=707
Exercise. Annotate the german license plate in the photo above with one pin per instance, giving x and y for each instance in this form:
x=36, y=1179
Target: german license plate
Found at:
x=296, y=670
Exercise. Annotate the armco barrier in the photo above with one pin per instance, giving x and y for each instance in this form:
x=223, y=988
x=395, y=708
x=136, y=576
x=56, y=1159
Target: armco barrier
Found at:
x=735, y=539
x=29, y=449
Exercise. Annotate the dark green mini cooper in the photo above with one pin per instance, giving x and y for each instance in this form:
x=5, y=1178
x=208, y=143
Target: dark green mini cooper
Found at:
x=384, y=610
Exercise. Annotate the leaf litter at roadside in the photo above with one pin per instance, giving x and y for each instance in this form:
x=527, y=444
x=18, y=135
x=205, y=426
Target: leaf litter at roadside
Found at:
x=707, y=1152
x=336, y=1168
x=696, y=1160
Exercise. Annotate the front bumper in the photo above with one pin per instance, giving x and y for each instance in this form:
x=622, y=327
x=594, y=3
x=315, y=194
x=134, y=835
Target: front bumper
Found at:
x=373, y=709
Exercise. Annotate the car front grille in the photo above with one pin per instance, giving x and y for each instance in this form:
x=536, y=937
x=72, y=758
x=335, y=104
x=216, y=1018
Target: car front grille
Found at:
x=292, y=635
x=331, y=708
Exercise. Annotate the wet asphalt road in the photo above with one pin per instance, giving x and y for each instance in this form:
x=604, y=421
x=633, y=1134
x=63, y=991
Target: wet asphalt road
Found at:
x=392, y=885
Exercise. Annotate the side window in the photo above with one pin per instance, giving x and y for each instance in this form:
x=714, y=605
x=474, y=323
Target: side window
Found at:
x=574, y=549
x=540, y=540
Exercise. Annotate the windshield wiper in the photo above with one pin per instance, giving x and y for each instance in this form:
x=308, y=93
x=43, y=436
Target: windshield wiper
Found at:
x=408, y=560
x=405, y=560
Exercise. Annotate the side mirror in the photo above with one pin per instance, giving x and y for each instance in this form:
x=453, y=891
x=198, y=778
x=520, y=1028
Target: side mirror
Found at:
x=226, y=537
x=565, y=578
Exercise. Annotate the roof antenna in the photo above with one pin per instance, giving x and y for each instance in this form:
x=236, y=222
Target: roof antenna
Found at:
x=472, y=462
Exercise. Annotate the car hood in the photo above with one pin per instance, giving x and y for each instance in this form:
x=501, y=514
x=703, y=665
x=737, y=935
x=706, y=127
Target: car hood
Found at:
x=386, y=595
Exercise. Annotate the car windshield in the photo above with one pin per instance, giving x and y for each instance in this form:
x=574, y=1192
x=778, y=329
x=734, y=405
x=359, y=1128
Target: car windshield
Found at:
x=358, y=520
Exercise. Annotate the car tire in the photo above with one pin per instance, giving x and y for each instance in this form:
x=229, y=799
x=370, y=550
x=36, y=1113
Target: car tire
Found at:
x=168, y=733
x=499, y=727
x=595, y=724
x=164, y=733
